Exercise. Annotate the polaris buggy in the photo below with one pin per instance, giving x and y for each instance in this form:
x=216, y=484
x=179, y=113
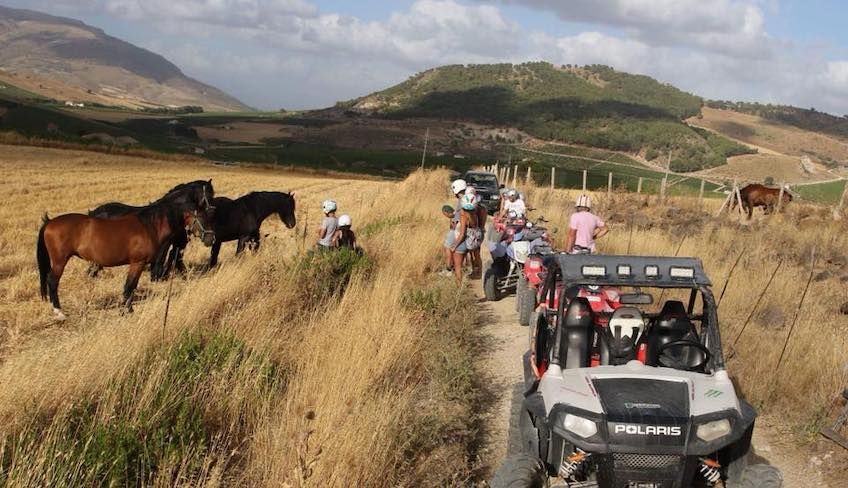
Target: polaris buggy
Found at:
x=636, y=397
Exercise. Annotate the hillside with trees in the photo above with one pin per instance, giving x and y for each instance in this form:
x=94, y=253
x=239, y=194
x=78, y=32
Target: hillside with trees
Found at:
x=591, y=105
x=803, y=118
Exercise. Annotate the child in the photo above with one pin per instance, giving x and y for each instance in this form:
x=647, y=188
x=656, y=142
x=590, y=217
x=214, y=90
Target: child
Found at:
x=328, y=226
x=344, y=236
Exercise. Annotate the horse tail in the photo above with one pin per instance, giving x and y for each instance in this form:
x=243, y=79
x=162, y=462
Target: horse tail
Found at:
x=43, y=257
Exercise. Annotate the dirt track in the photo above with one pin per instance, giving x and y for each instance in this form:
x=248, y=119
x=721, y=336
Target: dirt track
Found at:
x=507, y=342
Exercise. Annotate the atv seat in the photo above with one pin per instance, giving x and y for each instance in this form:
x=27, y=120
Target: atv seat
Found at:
x=575, y=339
x=671, y=325
x=618, y=341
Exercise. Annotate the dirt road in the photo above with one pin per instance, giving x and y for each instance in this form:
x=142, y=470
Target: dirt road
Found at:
x=507, y=342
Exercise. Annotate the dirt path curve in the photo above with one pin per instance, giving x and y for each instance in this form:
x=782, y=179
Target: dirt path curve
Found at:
x=507, y=342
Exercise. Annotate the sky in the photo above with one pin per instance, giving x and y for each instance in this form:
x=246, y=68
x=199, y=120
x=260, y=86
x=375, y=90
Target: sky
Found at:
x=297, y=54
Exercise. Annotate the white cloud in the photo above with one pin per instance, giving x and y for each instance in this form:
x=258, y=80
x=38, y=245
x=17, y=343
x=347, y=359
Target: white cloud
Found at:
x=290, y=53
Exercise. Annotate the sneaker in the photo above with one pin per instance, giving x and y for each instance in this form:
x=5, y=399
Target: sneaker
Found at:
x=446, y=272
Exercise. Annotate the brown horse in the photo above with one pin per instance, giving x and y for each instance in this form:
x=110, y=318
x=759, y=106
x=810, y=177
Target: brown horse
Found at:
x=134, y=240
x=756, y=195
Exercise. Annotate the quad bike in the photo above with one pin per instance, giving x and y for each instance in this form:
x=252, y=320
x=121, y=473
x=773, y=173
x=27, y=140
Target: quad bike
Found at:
x=510, y=249
x=640, y=399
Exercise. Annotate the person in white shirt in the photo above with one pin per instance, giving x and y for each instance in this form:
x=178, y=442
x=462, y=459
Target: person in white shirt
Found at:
x=513, y=203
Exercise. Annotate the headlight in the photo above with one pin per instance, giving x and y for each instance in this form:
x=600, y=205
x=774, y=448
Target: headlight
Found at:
x=713, y=430
x=495, y=197
x=585, y=428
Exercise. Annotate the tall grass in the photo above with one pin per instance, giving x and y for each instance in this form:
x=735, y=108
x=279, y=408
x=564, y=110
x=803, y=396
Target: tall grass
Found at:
x=278, y=368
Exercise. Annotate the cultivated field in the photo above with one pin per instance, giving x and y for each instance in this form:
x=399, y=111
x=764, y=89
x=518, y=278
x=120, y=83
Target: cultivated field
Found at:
x=774, y=139
x=271, y=372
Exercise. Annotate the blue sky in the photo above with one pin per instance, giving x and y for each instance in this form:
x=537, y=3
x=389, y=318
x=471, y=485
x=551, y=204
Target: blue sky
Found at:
x=311, y=53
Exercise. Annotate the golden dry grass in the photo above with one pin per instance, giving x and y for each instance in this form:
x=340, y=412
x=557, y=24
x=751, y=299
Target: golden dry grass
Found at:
x=352, y=400
x=286, y=385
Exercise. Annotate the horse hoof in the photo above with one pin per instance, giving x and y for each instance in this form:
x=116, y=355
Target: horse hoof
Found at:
x=59, y=315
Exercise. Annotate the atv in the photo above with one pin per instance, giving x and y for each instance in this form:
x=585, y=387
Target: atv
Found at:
x=510, y=249
x=637, y=398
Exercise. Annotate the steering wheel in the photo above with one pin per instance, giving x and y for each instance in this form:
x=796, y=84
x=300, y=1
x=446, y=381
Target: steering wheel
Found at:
x=680, y=362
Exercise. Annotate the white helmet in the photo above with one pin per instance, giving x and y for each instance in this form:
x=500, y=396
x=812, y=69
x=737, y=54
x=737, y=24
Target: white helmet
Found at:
x=344, y=221
x=583, y=201
x=329, y=206
x=458, y=186
x=512, y=193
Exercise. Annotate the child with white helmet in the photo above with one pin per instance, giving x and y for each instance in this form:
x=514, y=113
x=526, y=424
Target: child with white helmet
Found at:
x=584, y=228
x=328, y=226
x=514, y=203
x=344, y=236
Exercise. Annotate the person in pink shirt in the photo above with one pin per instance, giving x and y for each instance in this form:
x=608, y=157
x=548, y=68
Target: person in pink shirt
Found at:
x=584, y=228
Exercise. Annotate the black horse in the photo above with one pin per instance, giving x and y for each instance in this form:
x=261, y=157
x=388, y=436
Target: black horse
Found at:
x=241, y=218
x=194, y=195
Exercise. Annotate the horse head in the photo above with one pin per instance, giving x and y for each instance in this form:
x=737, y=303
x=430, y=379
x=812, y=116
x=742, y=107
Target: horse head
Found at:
x=287, y=210
x=199, y=223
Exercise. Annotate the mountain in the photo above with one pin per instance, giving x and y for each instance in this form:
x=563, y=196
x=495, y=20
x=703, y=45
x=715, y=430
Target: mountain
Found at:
x=591, y=105
x=79, y=55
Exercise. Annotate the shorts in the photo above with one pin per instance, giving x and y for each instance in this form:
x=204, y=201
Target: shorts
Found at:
x=450, y=239
x=462, y=248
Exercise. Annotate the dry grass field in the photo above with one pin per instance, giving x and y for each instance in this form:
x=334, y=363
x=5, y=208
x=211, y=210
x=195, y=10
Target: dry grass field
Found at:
x=268, y=372
x=283, y=369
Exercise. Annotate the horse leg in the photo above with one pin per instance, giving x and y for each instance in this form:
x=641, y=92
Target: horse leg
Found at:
x=159, y=266
x=240, y=245
x=130, y=285
x=179, y=265
x=254, y=241
x=750, y=211
x=56, y=271
x=213, y=259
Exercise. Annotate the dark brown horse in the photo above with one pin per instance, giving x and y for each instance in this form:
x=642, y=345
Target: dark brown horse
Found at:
x=132, y=240
x=756, y=195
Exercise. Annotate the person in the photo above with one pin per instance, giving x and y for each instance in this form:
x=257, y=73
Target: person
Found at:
x=469, y=234
x=458, y=188
x=584, y=228
x=514, y=203
x=344, y=236
x=328, y=226
x=482, y=216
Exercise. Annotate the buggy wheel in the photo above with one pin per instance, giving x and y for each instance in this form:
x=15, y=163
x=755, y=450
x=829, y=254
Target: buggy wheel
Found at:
x=526, y=298
x=490, y=283
x=520, y=471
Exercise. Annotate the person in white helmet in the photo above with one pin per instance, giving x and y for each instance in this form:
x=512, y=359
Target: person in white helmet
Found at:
x=584, y=227
x=469, y=236
x=458, y=188
x=344, y=236
x=328, y=226
x=513, y=203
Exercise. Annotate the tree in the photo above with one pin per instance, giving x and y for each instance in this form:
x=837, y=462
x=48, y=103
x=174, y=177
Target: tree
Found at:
x=768, y=181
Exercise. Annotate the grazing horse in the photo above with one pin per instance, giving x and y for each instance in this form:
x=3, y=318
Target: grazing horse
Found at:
x=134, y=239
x=756, y=195
x=241, y=218
x=193, y=195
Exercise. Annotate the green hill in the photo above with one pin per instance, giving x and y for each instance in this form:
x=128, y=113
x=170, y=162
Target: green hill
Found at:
x=593, y=105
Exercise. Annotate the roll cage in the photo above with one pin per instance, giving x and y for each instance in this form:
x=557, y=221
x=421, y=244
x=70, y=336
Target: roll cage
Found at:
x=640, y=271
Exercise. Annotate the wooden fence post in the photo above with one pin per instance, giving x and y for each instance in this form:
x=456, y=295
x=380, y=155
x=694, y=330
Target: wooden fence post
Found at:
x=639, y=186
x=701, y=194
x=529, y=178
x=609, y=184
x=584, y=180
x=662, y=188
x=738, y=197
x=515, y=176
x=553, y=176
x=780, y=197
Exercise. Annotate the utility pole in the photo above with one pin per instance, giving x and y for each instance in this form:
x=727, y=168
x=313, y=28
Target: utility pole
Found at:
x=424, y=154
